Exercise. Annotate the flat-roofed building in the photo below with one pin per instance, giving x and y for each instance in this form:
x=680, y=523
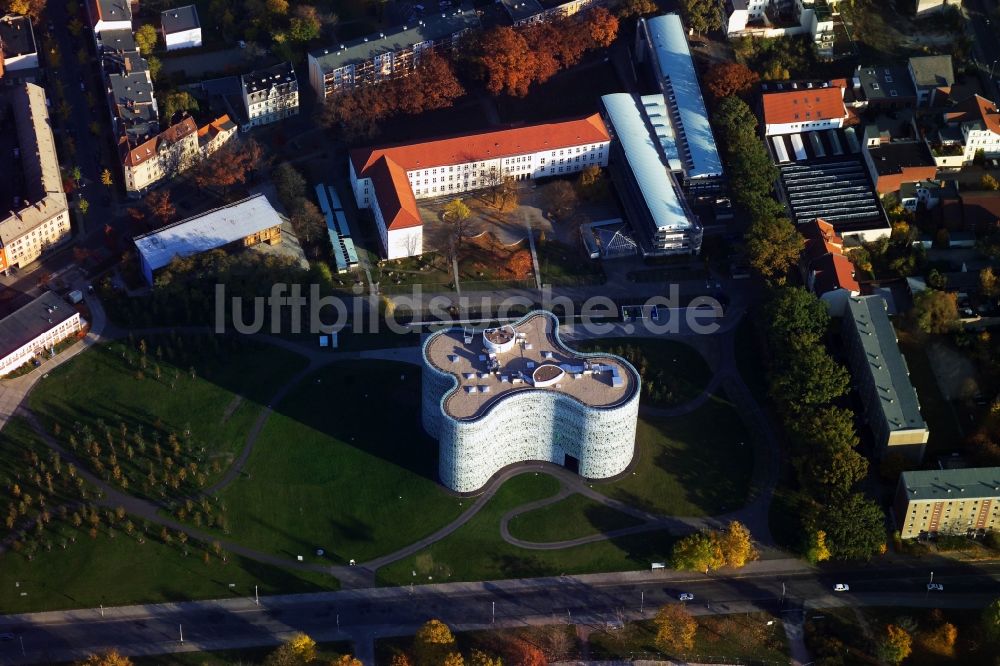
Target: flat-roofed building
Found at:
x=947, y=501
x=932, y=76
x=662, y=41
x=882, y=379
x=180, y=28
x=390, y=179
x=388, y=54
x=270, y=95
x=242, y=224
x=892, y=163
x=653, y=201
x=161, y=156
x=109, y=15
x=18, y=50
x=34, y=328
x=516, y=393
x=884, y=87
x=42, y=221
x=523, y=12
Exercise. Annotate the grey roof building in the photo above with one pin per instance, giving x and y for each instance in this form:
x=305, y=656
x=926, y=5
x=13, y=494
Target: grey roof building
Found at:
x=116, y=41
x=34, y=326
x=929, y=73
x=522, y=11
x=179, y=19
x=882, y=379
x=387, y=54
x=270, y=94
x=885, y=87
x=947, y=501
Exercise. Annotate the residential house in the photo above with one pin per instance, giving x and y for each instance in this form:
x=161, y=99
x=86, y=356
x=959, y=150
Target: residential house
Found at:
x=161, y=156
x=825, y=268
x=804, y=107
x=389, y=180
x=269, y=95
x=41, y=221
x=35, y=328
x=180, y=28
x=120, y=42
x=973, y=124
x=215, y=134
x=884, y=88
x=18, y=51
x=894, y=162
x=963, y=501
x=932, y=76
x=882, y=380
x=386, y=55
x=927, y=7
x=109, y=15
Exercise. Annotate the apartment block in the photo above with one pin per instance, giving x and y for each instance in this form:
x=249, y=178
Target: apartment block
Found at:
x=180, y=28
x=947, y=501
x=33, y=329
x=109, y=15
x=803, y=108
x=882, y=379
x=390, y=179
x=42, y=220
x=386, y=55
x=270, y=95
x=18, y=51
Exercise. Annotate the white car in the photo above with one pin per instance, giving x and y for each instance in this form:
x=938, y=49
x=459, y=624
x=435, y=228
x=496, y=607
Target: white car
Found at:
x=686, y=596
x=935, y=587
x=841, y=587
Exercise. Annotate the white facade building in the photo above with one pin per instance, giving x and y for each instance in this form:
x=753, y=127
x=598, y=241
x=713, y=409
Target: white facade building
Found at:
x=390, y=180
x=180, y=28
x=978, y=121
x=34, y=328
x=109, y=15
x=803, y=108
x=269, y=95
x=18, y=50
x=536, y=400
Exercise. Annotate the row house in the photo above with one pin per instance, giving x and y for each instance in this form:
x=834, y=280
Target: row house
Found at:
x=161, y=156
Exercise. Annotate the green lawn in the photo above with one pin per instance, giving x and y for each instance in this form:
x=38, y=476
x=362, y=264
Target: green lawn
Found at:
x=672, y=372
x=699, y=464
x=561, y=264
x=342, y=465
x=939, y=414
x=212, y=386
x=573, y=517
x=119, y=570
x=477, y=552
x=719, y=639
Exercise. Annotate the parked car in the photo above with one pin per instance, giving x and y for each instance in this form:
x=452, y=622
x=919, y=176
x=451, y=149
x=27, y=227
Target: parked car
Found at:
x=841, y=587
x=6, y=637
x=935, y=587
x=686, y=596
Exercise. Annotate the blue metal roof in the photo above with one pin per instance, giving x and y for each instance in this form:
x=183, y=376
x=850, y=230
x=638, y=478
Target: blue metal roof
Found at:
x=646, y=161
x=672, y=58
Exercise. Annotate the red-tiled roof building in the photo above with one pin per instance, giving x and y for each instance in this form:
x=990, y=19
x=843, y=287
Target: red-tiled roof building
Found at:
x=804, y=109
x=390, y=179
x=827, y=271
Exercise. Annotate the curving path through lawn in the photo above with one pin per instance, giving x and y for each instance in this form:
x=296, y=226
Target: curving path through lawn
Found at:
x=718, y=349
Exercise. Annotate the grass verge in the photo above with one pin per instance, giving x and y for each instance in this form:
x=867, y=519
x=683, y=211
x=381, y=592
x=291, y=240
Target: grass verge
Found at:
x=573, y=517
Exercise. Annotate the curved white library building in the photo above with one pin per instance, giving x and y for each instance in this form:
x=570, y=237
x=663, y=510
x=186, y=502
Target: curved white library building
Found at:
x=516, y=393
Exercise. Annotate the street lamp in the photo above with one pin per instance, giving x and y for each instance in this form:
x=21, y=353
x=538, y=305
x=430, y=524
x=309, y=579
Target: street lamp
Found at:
x=992, y=66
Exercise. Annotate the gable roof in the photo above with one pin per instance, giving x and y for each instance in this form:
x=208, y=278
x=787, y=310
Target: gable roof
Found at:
x=135, y=156
x=975, y=109
x=834, y=271
x=214, y=128
x=821, y=239
x=110, y=10
x=179, y=19
x=486, y=145
x=803, y=105
x=394, y=194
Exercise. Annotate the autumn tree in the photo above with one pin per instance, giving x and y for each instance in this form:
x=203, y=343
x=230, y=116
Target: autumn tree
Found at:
x=941, y=640
x=309, y=223
x=700, y=551
x=433, y=643
x=630, y=8
x=31, y=8
x=935, y=311
x=675, y=629
x=508, y=62
x=592, y=184
x=895, y=645
x=290, y=185
x=701, y=16
x=456, y=215
x=854, y=526
x=729, y=78
x=110, y=658
x=298, y=650
x=346, y=660
x=233, y=164
x=816, y=549
x=988, y=282
x=160, y=206
x=519, y=265
x=736, y=545
x=480, y=658
x=145, y=38
x=602, y=26
x=773, y=247
x=106, y=178
x=990, y=620
x=560, y=197
x=988, y=182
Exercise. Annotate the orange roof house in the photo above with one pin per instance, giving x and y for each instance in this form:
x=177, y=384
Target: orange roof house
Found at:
x=804, y=109
x=826, y=270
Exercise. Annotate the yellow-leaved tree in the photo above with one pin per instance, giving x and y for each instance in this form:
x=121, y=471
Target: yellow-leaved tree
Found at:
x=433, y=644
x=675, y=629
x=110, y=658
x=737, y=545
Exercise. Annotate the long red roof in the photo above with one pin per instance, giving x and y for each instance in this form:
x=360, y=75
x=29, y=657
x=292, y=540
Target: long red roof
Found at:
x=387, y=165
x=803, y=105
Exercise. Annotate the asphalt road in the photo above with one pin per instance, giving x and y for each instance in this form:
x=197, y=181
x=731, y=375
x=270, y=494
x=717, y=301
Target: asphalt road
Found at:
x=596, y=600
x=987, y=40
